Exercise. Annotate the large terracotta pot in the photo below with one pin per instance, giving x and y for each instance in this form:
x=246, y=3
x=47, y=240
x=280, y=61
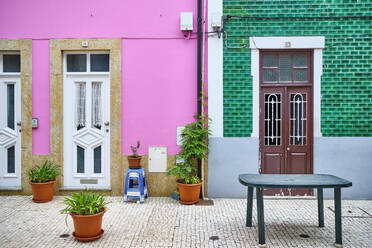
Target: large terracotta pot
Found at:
x=134, y=162
x=43, y=192
x=88, y=227
x=189, y=193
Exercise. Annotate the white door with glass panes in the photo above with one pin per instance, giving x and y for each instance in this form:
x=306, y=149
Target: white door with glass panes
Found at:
x=10, y=121
x=86, y=115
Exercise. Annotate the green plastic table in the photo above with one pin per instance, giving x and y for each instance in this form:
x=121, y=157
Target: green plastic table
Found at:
x=318, y=181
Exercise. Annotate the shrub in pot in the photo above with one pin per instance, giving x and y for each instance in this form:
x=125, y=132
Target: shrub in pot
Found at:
x=194, y=146
x=86, y=209
x=42, y=178
x=134, y=160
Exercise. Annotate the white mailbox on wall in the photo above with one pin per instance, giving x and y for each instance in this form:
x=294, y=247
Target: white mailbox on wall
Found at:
x=158, y=159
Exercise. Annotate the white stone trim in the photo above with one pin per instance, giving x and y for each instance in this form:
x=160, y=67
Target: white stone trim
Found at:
x=296, y=42
x=279, y=42
x=215, y=72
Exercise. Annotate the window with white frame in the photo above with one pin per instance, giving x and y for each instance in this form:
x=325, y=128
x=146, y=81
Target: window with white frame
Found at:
x=10, y=62
x=90, y=62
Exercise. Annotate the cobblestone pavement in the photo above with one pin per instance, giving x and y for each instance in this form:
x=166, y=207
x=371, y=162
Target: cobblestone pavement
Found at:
x=163, y=222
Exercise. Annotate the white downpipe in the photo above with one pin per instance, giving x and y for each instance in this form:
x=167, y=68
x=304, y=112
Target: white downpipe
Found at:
x=204, y=86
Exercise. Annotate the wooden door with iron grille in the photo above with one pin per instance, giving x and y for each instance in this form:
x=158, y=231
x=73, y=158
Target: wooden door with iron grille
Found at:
x=286, y=115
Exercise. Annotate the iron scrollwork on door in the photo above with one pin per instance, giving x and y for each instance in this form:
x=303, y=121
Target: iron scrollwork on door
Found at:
x=273, y=120
x=298, y=119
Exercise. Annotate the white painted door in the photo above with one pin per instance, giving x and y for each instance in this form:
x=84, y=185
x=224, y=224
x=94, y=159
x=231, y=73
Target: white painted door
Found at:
x=10, y=132
x=86, y=131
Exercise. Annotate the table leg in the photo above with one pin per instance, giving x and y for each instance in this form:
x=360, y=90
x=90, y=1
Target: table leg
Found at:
x=249, y=206
x=338, y=226
x=320, y=207
x=260, y=217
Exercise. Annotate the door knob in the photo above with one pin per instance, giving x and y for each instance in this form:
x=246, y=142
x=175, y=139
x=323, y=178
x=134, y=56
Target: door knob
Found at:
x=288, y=149
x=19, y=123
x=107, y=123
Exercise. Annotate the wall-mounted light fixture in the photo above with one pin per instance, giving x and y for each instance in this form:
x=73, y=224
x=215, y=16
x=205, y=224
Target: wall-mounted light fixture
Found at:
x=34, y=123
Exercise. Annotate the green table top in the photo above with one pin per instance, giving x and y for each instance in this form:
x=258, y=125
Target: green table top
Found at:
x=293, y=181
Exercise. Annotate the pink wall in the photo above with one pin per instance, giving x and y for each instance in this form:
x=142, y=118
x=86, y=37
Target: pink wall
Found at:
x=159, y=91
x=40, y=96
x=39, y=19
x=158, y=65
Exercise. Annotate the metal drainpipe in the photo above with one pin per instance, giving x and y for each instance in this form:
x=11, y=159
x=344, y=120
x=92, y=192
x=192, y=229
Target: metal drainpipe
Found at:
x=199, y=71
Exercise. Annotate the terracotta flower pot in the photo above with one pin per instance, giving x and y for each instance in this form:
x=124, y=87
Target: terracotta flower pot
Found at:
x=189, y=193
x=43, y=192
x=134, y=162
x=88, y=227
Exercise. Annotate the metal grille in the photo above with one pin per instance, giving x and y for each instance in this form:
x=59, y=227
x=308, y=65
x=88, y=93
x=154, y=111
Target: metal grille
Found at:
x=273, y=119
x=298, y=119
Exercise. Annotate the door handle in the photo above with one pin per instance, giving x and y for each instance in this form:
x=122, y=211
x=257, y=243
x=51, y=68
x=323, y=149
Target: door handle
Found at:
x=288, y=148
x=107, y=123
x=19, y=123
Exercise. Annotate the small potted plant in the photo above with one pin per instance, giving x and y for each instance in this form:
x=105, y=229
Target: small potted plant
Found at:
x=135, y=160
x=194, y=146
x=42, y=178
x=86, y=209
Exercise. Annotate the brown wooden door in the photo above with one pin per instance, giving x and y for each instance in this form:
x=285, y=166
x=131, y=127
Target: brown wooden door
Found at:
x=286, y=119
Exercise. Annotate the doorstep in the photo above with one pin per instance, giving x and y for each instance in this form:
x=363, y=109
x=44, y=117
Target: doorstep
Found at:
x=8, y=188
x=287, y=197
x=82, y=188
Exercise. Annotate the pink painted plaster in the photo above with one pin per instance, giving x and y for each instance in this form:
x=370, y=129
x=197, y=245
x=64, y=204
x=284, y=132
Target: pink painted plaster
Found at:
x=45, y=19
x=40, y=96
x=159, y=91
x=158, y=65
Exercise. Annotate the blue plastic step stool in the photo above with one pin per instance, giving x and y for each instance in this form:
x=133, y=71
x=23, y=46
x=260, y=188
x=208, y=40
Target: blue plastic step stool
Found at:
x=135, y=185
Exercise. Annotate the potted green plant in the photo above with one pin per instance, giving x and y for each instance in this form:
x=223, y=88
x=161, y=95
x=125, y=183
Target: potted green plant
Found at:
x=86, y=209
x=42, y=178
x=194, y=146
x=135, y=160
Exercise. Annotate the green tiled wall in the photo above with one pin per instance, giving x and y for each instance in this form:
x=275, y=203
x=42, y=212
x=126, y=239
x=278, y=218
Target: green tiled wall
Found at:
x=346, y=104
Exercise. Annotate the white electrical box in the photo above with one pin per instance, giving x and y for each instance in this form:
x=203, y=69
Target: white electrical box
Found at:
x=84, y=43
x=158, y=159
x=216, y=21
x=179, y=137
x=187, y=23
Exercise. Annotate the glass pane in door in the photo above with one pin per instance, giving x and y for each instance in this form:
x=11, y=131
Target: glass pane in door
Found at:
x=99, y=62
x=80, y=108
x=11, y=63
x=96, y=105
x=80, y=159
x=11, y=159
x=269, y=75
x=300, y=75
x=269, y=61
x=10, y=107
x=97, y=159
x=76, y=63
x=300, y=60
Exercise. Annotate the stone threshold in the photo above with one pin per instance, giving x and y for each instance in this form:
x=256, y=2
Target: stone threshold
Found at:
x=80, y=188
x=286, y=197
x=15, y=188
